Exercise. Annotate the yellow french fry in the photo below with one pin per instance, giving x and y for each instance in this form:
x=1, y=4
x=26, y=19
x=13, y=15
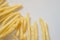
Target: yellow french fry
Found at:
x=25, y=25
x=21, y=29
x=4, y=4
x=29, y=27
x=18, y=30
x=9, y=18
x=24, y=37
x=8, y=27
x=4, y=17
x=1, y=1
x=10, y=30
x=5, y=26
x=17, y=33
x=15, y=38
x=35, y=31
x=2, y=9
x=11, y=10
x=32, y=33
x=43, y=29
x=47, y=32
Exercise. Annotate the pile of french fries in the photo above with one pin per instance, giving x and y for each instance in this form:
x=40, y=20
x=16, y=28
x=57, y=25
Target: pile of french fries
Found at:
x=11, y=21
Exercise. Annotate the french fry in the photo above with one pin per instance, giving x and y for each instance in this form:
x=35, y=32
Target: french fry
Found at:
x=17, y=33
x=32, y=33
x=43, y=29
x=29, y=27
x=35, y=31
x=8, y=27
x=8, y=7
x=4, y=4
x=2, y=1
x=8, y=18
x=47, y=32
x=25, y=25
x=11, y=10
x=10, y=30
x=2, y=9
x=21, y=34
x=4, y=17
x=21, y=29
x=5, y=26
x=15, y=38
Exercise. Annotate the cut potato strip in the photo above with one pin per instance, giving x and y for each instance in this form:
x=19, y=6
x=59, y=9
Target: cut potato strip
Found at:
x=35, y=31
x=24, y=37
x=10, y=30
x=32, y=34
x=29, y=27
x=11, y=10
x=25, y=25
x=21, y=33
x=15, y=38
x=17, y=33
x=10, y=16
x=43, y=29
x=8, y=27
x=2, y=1
x=4, y=17
x=21, y=30
x=4, y=4
x=5, y=26
x=7, y=8
x=47, y=32
x=2, y=9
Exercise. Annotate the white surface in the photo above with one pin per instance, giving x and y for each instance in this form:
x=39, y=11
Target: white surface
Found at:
x=49, y=10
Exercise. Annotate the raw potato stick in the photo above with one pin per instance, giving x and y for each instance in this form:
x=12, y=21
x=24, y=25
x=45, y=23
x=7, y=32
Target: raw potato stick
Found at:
x=11, y=10
x=4, y=4
x=29, y=27
x=10, y=30
x=10, y=16
x=5, y=26
x=35, y=31
x=43, y=29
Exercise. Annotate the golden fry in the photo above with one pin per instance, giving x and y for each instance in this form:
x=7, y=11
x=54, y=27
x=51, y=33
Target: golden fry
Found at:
x=2, y=1
x=29, y=27
x=10, y=30
x=35, y=31
x=10, y=16
x=5, y=26
x=24, y=25
x=47, y=32
x=4, y=4
x=43, y=29
x=11, y=10
x=32, y=34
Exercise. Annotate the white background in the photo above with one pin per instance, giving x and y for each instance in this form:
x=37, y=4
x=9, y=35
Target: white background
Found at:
x=49, y=10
